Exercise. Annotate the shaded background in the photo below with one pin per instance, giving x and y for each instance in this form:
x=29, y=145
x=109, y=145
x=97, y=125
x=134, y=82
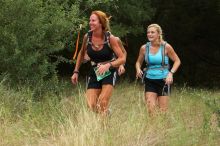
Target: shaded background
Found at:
x=38, y=37
x=190, y=26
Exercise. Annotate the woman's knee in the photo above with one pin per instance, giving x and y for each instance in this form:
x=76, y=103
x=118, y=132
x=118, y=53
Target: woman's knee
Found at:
x=104, y=103
x=91, y=102
x=163, y=103
x=91, y=105
x=163, y=107
x=150, y=100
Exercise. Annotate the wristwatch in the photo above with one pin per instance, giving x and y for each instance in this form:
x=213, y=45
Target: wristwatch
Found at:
x=172, y=71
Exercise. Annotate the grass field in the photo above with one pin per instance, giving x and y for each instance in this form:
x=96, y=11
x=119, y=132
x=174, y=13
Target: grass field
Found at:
x=63, y=119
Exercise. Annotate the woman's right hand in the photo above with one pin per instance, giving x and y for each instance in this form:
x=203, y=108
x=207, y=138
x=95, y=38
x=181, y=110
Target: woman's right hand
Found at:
x=74, y=78
x=139, y=73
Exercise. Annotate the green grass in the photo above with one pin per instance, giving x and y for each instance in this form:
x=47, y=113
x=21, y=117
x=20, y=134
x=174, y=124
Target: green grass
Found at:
x=64, y=120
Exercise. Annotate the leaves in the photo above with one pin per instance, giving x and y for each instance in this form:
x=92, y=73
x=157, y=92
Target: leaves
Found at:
x=31, y=30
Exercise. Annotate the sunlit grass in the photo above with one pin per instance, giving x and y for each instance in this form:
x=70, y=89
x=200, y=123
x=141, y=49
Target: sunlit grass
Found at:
x=64, y=120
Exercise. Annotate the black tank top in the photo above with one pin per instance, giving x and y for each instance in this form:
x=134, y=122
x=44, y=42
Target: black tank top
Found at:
x=103, y=55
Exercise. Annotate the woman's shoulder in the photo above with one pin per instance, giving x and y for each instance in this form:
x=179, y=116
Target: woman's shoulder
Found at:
x=143, y=47
x=166, y=45
x=113, y=38
x=85, y=35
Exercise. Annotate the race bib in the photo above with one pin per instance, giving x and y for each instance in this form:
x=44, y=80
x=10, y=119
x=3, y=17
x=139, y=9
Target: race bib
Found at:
x=102, y=76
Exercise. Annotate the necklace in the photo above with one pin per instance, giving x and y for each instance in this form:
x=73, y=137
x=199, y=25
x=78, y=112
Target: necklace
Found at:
x=97, y=46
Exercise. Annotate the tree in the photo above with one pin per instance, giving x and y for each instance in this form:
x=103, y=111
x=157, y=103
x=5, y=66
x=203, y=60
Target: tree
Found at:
x=128, y=16
x=30, y=32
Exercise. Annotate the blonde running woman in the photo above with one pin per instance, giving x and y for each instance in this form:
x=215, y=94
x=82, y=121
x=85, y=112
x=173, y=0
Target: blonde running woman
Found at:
x=157, y=76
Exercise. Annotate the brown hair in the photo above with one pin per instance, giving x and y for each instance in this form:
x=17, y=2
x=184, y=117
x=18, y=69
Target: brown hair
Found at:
x=103, y=19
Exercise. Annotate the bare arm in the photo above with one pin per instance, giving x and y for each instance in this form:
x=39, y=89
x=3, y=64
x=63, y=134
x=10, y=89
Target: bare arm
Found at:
x=122, y=47
x=139, y=61
x=121, y=68
x=118, y=49
x=79, y=60
x=174, y=57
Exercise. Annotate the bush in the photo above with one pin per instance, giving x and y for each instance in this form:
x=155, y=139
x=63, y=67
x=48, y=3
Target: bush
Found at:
x=30, y=32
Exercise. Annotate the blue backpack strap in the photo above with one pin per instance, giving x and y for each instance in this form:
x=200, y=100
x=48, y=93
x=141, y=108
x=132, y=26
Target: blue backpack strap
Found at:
x=146, y=56
x=147, y=53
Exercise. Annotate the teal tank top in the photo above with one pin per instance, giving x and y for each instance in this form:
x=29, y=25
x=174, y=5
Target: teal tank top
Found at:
x=155, y=70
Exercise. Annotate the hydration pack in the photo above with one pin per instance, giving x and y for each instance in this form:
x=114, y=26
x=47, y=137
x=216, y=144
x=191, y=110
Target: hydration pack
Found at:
x=162, y=54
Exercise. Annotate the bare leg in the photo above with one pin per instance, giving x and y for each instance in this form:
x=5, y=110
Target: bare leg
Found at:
x=92, y=97
x=151, y=101
x=163, y=103
x=104, y=97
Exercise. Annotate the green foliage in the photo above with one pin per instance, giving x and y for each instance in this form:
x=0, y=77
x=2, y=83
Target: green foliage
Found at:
x=128, y=16
x=131, y=15
x=30, y=32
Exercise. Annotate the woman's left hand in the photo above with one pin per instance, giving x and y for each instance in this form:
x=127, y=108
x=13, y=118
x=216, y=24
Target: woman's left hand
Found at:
x=102, y=68
x=121, y=70
x=169, y=78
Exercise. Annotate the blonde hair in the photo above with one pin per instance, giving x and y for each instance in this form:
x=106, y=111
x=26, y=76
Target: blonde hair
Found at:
x=103, y=19
x=159, y=30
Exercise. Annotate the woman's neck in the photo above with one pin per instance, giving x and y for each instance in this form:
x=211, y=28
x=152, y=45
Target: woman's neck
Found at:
x=155, y=43
x=98, y=33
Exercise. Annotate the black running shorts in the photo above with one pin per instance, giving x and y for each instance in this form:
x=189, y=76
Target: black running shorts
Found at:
x=157, y=86
x=92, y=82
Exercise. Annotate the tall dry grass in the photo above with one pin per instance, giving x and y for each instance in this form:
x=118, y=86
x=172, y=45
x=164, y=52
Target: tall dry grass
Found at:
x=64, y=120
